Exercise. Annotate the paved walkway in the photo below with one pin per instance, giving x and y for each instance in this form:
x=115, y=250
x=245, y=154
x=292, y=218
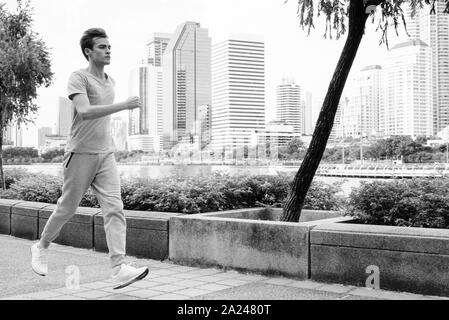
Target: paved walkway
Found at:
x=166, y=281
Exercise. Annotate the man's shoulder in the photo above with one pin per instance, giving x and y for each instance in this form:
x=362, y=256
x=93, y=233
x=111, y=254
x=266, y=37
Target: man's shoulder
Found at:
x=78, y=74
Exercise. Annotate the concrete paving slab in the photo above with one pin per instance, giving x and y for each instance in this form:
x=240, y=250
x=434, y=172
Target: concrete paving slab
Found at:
x=190, y=283
x=170, y=296
x=337, y=288
x=305, y=284
x=187, y=275
x=66, y=297
x=42, y=295
x=166, y=281
x=279, y=281
x=92, y=294
x=119, y=297
x=145, y=293
x=232, y=282
x=193, y=292
x=168, y=288
x=17, y=277
x=265, y=291
x=145, y=284
x=164, y=272
x=210, y=279
x=213, y=287
x=127, y=289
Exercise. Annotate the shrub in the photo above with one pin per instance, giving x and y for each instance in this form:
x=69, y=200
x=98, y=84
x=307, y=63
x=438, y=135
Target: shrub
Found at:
x=39, y=188
x=13, y=175
x=420, y=202
x=57, y=159
x=323, y=196
x=23, y=185
x=185, y=194
x=51, y=154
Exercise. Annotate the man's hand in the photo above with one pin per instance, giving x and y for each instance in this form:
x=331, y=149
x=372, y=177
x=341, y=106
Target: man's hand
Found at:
x=133, y=103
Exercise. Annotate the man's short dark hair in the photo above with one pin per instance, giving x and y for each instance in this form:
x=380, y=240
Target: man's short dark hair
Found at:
x=87, y=40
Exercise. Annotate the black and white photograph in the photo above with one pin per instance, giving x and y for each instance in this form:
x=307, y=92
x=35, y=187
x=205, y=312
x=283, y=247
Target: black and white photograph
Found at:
x=225, y=156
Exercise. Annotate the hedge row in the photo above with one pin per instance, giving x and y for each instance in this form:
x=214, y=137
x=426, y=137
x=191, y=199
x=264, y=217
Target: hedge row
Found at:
x=400, y=202
x=420, y=202
x=183, y=195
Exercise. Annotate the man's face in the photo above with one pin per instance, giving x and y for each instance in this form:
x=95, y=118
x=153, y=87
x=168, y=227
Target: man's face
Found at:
x=101, y=51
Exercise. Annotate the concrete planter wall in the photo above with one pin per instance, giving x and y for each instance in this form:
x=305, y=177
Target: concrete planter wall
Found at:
x=78, y=232
x=25, y=219
x=5, y=214
x=409, y=259
x=247, y=239
x=146, y=234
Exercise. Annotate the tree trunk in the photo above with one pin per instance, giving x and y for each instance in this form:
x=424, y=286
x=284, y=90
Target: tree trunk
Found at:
x=304, y=176
x=2, y=177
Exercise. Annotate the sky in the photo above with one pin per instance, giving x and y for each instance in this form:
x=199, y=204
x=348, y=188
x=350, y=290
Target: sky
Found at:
x=289, y=51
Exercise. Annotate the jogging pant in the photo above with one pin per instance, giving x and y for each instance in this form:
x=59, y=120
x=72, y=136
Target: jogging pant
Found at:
x=100, y=172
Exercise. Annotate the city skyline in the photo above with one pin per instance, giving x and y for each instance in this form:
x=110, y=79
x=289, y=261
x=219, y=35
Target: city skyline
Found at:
x=276, y=22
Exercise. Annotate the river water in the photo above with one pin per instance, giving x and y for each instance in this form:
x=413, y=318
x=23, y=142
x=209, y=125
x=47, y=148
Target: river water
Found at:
x=155, y=171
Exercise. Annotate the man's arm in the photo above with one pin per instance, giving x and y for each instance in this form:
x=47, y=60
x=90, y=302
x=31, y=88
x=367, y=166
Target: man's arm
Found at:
x=88, y=112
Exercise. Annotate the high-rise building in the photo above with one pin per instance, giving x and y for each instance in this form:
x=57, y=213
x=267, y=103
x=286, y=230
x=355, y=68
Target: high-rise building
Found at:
x=134, y=115
x=238, y=90
x=364, y=97
x=12, y=135
x=317, y=105
x=7, y=136
x=156, y=47
x=187, y=82
x=42, y=133
x=146, y=81
x=64, y=117
x=289, y=108
x=308, y=107
x=204, y=129
x=407, y=107
x=337, y=128
x=433, y=29
x=138, y=86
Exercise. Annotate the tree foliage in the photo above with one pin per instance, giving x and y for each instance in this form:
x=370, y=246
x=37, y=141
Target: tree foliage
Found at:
x=388, y=13
x=293, y=150
x=24, y=66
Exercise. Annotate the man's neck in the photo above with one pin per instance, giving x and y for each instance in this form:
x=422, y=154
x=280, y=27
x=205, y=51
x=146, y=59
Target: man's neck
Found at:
x=96, y=70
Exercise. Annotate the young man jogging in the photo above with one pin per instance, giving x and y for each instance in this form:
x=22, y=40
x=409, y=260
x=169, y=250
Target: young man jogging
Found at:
x=89, y=160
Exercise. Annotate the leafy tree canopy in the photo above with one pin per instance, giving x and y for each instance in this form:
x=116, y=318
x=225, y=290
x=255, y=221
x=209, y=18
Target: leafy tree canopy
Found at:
x=387, y=13
x=24, y=65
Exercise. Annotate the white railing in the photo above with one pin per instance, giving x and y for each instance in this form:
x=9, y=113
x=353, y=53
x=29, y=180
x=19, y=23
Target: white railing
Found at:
x=387, y=171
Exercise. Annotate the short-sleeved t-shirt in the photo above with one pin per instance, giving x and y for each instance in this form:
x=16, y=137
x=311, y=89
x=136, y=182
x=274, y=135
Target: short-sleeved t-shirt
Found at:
x=91, y=136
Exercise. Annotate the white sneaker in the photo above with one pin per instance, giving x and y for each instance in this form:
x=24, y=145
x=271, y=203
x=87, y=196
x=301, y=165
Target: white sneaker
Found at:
x=128, y=275
x=39, y=259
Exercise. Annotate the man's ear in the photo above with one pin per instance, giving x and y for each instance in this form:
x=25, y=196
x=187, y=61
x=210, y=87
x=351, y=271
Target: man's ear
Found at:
x=87, y=51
